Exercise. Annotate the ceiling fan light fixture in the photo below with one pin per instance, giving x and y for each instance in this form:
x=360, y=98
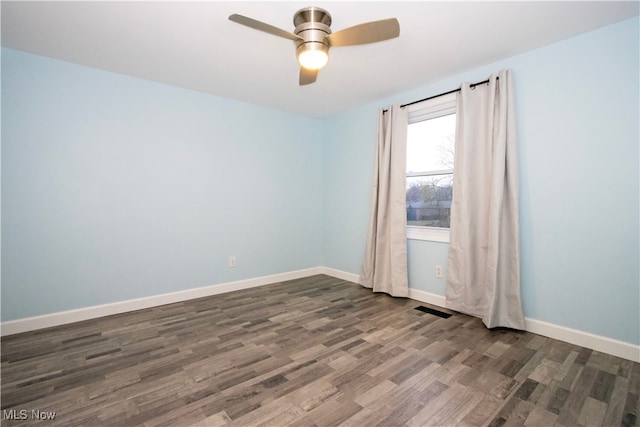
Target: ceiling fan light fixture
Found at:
x=313, y=37
x=313, y=55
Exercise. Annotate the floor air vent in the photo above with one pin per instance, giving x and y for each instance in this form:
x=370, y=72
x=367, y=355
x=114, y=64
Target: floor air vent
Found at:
x=434, y=312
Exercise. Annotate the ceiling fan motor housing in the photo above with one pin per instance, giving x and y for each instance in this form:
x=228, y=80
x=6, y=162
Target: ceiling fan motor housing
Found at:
x=312, y=24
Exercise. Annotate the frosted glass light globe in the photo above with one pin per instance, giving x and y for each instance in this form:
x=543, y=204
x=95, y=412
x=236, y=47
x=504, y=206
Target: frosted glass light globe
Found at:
x=313, y=56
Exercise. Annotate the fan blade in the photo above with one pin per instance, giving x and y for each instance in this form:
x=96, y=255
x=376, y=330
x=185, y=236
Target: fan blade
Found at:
x=307, y=76
x=261, y=26
x=369, y=32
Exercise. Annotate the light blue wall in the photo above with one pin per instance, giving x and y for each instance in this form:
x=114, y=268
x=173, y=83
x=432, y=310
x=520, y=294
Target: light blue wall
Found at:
x=349, y=151
x=116, y=188
x=577, y=111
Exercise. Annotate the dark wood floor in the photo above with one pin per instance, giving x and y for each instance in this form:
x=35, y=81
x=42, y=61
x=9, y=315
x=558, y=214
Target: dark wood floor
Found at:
x=315, y=351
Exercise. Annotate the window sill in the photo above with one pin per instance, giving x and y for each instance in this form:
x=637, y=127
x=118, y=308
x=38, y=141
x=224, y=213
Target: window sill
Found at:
x=431, y=234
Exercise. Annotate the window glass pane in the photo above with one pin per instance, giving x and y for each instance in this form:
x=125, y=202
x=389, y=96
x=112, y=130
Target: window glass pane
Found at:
x=430, y=144
x=429, y=200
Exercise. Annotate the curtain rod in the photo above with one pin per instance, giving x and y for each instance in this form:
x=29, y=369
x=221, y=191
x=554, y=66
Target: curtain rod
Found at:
x=472, y=85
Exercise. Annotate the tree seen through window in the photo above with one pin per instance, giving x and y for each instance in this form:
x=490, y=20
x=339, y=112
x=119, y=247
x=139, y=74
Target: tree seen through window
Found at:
x=430, y=152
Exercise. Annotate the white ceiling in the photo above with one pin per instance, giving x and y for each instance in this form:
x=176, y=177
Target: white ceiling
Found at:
x=193, y=45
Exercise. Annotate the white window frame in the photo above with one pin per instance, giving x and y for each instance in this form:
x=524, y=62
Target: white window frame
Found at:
x=426, y=110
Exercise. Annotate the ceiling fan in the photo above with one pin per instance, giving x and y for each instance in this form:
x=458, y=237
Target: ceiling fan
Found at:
x=313, y=37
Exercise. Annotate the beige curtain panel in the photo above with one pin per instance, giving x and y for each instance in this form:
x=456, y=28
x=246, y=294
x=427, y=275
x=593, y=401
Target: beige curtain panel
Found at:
x=384, y=268
x=484, y=256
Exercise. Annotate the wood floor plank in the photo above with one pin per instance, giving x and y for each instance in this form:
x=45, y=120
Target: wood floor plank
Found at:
x=540, y=417
x=592, y=412
x=311, y=351
x=480, y=414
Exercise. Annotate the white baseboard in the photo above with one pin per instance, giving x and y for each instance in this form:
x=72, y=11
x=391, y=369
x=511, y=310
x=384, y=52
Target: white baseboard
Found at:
x=617, y=348
x=611, y=346
x=596, y=342
x=63, y=317
x=621, y=349
x=349, y=277
x=427, y=297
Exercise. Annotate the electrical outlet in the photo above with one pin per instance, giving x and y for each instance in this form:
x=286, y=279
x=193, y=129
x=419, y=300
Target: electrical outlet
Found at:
x=232, y=261
x=438, y=271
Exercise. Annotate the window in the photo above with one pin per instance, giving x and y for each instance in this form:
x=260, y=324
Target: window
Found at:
x=430, y=149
